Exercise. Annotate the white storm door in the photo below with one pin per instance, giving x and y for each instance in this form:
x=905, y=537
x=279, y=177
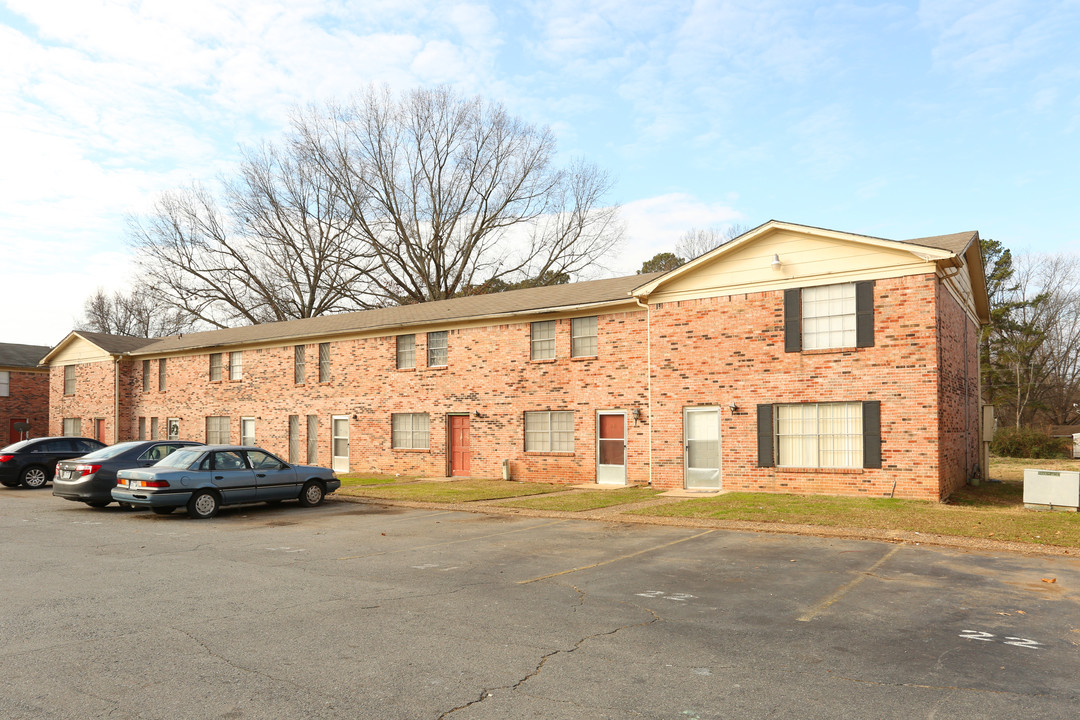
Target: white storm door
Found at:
x=339, y=425
x=701, y=447
x=611, y=448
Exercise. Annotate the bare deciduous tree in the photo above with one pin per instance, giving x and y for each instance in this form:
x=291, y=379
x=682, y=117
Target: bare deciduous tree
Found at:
x=137, y=314
x=696, y=241
x=382, y=200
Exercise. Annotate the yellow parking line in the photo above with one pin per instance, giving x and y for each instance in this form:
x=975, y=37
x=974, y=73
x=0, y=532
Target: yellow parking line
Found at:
x=452, y=542
x=829, y=601
x=617, y=559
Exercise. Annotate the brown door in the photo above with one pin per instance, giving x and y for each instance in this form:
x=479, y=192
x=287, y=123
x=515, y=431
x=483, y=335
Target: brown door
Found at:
x=459, y=445
x=99, y=430
x=14, y=435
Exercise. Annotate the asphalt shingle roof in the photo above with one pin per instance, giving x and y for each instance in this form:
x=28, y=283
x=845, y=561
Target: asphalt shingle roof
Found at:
x=115, y=344
x=592, y=292
x=14, y=355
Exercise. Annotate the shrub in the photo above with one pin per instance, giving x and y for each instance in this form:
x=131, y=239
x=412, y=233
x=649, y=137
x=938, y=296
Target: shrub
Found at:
x=1029, y=443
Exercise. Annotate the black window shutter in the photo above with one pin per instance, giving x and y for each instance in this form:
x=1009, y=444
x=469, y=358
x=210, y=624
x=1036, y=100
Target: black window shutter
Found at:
x=793, y=320
x=765, y=436
x=871, y=434
x=864, y=313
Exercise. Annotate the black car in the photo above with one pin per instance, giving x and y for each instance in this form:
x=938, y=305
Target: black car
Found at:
x=32, y=462
x=91, y=478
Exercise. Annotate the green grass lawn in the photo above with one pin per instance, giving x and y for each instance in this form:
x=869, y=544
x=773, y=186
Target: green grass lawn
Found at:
x=453, y=491
x=1003, y=468
x=579, y=500
x=993, y=511
x=353, y=480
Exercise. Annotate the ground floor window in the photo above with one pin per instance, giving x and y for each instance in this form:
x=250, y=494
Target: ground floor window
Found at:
x=155, y=429
x=294, y=438
x=312, y=439
x=217, y=430
x=72, y=427
x=410, y=431
x=247, y=431
x=142, y=426
x=549, y=431
x=819, y=435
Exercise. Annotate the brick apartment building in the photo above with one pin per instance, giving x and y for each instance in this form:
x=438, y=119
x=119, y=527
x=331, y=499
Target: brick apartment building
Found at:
x=791, y=359
x=24, y=392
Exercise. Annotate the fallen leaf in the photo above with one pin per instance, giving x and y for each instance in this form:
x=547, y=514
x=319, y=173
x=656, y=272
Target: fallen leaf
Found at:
x=1049, y=580
x=1021, y=612
x=1005, y=614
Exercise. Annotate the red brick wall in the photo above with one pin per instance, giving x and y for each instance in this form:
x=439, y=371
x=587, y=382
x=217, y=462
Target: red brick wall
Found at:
x=28, y=397
x=93, y=399
x=958, y=393
x=719, y=351
x=489, y=371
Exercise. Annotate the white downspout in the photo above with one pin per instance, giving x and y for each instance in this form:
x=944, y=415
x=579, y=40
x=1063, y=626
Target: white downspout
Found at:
x=648, y=379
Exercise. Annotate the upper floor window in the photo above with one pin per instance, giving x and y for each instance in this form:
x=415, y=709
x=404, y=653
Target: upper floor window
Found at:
x=437, y=349
x=829, y=316
x=215, y=368
x=583, y=337
x=406, y=351
x=236, y=365
x=410, y=431
x=299, y=365
x=161, y=375
x=543, y=340
x=5, y=383
x=69, y=379
x=145, y=376
x=324, y=362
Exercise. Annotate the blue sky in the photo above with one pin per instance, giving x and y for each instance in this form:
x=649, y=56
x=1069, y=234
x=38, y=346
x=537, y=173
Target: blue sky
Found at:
x=895, y=119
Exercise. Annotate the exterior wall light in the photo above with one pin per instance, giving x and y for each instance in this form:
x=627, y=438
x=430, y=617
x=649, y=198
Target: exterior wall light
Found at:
x=775, y=261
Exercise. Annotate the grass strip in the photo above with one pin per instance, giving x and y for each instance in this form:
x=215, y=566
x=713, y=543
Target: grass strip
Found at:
x=990, y=511
x=580, y=500
x=456, y=491
x=354, y=480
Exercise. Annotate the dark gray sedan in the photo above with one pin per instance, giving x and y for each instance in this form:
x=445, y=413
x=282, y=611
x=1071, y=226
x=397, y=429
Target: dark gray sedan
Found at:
x=202, y=479
x=91, y=478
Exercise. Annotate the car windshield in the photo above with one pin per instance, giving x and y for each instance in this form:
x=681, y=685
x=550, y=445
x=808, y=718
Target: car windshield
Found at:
x=111, y=451
x=182, y=458
x=15, y=447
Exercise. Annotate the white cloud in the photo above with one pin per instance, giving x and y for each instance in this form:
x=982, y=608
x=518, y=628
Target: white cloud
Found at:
x=654, y=225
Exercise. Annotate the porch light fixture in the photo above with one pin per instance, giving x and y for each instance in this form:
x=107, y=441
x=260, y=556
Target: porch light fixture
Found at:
x=775, y=261
x=637, y=414
x=734, y=408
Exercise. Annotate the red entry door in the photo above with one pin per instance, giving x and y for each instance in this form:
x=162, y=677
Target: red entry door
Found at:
x=14, y=435
x=99, y=430
x=459, y=445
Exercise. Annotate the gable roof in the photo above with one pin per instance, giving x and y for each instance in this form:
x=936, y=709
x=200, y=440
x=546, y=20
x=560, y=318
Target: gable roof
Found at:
x=16, y=355
x=110, y=344
x=952, y=250
x=550, y=298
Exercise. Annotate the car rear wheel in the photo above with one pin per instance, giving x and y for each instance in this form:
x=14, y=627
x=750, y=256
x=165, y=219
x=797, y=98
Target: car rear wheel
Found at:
x=97, y=503
x=34, y=477
x=163, y=510
x=203, y=505
x=312, y=494
x=9, y=483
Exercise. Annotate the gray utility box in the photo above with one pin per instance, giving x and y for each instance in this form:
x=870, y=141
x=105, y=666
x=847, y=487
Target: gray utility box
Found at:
x=1051, y=490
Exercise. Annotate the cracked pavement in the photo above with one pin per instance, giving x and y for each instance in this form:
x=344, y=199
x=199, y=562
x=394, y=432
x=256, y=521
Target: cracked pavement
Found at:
x=347, y=611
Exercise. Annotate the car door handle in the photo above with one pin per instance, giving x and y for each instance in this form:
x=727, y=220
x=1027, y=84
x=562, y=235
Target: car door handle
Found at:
x=260, y=474
x=219, y=477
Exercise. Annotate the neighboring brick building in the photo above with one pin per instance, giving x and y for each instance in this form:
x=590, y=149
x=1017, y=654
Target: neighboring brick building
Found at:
x=24, y=392
x=792, y=359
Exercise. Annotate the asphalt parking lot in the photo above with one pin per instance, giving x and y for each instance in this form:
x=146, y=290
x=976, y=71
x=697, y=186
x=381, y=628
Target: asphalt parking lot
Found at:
x=366, y=611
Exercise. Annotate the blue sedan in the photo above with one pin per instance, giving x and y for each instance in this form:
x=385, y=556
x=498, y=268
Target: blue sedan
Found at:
x=202, y=479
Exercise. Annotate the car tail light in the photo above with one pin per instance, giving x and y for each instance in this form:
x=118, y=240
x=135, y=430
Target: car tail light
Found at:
x=87, y=469
x=143, y=483
x=6, y=458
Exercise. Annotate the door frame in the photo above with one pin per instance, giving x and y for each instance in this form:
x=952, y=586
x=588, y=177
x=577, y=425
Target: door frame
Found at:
x=450, y=443
x=626, y=445
x=719, y=445
x=348, y=449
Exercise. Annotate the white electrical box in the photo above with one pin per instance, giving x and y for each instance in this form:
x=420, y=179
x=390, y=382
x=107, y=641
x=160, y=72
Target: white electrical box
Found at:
x=1051, y=489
